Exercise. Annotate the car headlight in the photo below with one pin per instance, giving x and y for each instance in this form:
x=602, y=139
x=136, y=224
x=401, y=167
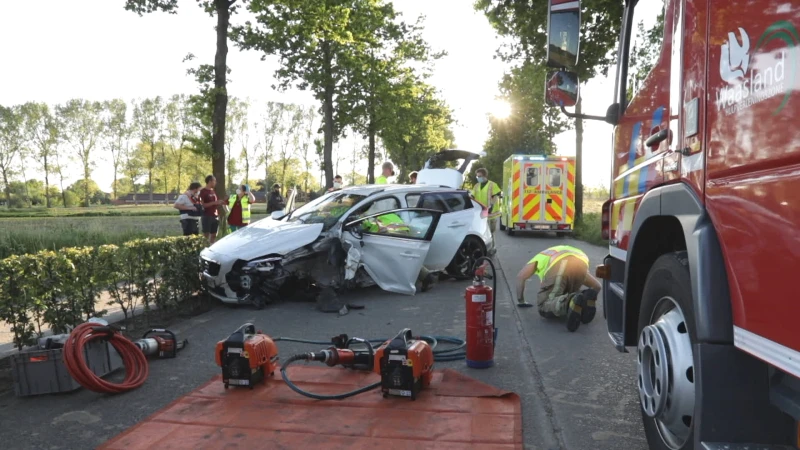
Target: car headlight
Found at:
x=262, y=265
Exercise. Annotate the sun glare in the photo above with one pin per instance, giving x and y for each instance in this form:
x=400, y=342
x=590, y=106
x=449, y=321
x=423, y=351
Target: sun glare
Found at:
x=500, y=109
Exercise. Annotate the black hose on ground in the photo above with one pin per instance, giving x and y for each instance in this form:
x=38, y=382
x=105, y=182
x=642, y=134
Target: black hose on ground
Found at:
x=342, y=396
x=439, y=354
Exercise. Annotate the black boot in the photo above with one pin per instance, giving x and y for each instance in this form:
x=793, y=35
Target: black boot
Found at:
x=575, y=312
x=590, y=309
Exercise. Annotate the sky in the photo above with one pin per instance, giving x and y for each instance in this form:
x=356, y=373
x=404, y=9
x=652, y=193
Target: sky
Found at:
x=96, y=50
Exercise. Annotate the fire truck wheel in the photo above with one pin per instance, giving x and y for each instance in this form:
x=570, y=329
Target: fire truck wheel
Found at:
x=665, y=359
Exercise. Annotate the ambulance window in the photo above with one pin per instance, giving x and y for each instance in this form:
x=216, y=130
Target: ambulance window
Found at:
x=555, y=176
x=532, y=176
x=647, y=37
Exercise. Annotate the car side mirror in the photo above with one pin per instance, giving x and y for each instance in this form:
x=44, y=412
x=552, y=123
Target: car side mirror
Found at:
x=562, y=88
x=277, y=214
x=563, y=33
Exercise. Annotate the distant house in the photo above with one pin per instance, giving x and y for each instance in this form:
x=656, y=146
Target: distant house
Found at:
x=168, y=199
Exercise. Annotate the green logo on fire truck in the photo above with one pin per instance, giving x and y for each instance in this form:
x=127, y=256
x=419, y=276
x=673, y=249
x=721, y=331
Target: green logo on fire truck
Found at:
x=766, y=72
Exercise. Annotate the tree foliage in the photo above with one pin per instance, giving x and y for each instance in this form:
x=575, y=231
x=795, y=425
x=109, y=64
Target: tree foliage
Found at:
x=532, y=125
x=421, y=126
x=316, y=41
x=82, y=130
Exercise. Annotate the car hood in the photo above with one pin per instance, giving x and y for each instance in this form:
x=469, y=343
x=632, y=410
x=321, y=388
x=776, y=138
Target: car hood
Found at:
x=265, y=237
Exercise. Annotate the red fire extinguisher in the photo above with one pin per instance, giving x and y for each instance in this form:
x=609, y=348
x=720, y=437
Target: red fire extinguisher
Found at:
x=481, y=330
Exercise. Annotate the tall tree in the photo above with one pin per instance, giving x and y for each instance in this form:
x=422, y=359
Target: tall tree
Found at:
x=291, y=139
x=177, y=113
x=117, y=133
x=526, y=23
x=82, y=129
x=421, y=125
x=308, y=128
x=148, y=116
x=222, y=9
x=237, y=119
x=273, y=127
x=316, y=40
x=11, y=142
x=377, y=70
x=42, y=131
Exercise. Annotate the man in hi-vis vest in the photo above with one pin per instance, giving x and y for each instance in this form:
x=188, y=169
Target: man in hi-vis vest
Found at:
x=488, y=193
x=239, y=206
x=562, y=270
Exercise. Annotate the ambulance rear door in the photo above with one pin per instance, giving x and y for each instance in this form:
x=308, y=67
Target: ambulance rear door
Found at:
x=531, y=187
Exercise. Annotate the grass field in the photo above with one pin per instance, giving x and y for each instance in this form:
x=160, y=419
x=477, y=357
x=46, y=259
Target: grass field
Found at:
x=92, y=211
x=29, y=235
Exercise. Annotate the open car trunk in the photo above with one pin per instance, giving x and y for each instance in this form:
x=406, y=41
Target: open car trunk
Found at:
x=447, y=168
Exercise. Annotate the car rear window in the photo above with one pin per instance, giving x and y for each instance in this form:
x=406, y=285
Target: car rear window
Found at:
x=442, y=201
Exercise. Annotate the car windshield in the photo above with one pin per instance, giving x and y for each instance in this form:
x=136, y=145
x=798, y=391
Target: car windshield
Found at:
x=326, y=210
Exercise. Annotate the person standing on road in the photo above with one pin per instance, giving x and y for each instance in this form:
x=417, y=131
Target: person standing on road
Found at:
x=388, y=171
x=412, y=177
x=275, y=202
x=562, y=270
x=239, y=205
x=487, y=193
x=190, y=208
x=210, y=220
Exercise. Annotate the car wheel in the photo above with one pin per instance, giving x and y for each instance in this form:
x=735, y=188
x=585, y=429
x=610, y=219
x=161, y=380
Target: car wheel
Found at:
x=461, y=267
x=665, y=360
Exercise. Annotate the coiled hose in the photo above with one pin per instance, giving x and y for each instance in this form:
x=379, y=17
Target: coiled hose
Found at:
x=136, y=368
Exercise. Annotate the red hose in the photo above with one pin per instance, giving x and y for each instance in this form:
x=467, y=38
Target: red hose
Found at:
x=136, y=368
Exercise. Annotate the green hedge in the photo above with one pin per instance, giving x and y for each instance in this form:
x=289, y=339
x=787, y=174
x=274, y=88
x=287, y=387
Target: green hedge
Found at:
x=61, y=289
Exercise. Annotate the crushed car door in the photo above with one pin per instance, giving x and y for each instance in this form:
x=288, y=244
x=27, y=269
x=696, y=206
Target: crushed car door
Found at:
x=392, y=245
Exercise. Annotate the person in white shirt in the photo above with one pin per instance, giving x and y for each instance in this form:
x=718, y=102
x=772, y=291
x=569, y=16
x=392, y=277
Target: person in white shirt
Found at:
x=190, y=208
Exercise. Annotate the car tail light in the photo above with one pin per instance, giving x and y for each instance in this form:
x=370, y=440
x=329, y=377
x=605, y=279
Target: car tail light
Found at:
x=605, y=220
x=563, y=226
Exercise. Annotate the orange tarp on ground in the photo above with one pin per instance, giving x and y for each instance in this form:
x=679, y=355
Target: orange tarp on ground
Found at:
x=456, y=412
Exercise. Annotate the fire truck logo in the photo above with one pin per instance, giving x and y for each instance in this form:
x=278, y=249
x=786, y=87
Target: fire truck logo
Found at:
x=735, y=58
x=767, y=71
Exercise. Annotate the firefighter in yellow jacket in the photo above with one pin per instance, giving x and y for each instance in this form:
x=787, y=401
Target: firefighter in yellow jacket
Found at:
x=488, y=193
x=239, y=206
x=562, y=270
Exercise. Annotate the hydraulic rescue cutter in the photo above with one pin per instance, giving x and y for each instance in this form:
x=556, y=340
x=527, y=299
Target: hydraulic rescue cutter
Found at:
x=246, y=357
x=405, y=364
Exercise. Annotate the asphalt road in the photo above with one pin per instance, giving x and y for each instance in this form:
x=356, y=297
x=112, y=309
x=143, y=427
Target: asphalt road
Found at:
x=577, y=392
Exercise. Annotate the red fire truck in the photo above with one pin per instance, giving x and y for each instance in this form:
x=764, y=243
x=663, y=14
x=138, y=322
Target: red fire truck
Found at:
x=704, y=235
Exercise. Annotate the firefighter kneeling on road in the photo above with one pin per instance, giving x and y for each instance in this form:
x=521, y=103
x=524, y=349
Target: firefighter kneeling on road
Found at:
x=563, y=270
x=392, y=223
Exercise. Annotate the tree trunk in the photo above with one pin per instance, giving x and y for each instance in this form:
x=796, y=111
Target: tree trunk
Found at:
x=113, y=188
x=47, y=183
x=86, y=183
x=221, y=95
x=371, y=156
x=61, y=183
x=8, y=189
x=578, y=163
x=25, y=183
x=150, y=183
x=328, y=118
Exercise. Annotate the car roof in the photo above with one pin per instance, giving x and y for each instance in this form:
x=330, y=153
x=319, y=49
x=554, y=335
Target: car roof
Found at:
x=371, y=189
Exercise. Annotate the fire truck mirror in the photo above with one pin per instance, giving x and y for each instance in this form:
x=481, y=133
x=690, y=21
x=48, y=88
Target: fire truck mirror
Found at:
x=563, y=31
x=561, y=88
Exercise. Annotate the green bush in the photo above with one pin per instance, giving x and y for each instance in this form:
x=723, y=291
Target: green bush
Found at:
x=588, y=229
x=61, y=289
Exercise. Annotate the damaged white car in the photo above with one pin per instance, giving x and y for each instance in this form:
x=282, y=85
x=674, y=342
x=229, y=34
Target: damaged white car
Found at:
x=355, y=237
